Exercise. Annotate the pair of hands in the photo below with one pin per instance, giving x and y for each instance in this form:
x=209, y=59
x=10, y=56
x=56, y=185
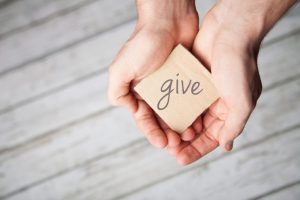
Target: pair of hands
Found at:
x=227, y=44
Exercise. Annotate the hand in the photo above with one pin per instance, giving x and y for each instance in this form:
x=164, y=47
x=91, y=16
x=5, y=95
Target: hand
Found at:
x=160, y=27
x=228, y=44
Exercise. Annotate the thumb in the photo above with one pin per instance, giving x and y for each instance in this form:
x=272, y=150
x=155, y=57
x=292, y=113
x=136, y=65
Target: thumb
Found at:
x=145, y=52
x=232, y=128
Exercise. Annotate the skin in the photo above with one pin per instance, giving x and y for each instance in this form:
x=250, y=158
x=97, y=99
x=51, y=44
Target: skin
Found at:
x=227, y=43
x=136, y=60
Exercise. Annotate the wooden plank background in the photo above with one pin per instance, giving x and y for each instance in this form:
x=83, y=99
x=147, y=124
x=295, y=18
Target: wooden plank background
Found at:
x=60, y=139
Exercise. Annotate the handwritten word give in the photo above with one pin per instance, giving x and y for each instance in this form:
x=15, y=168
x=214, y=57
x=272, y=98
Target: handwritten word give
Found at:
x=167, y=89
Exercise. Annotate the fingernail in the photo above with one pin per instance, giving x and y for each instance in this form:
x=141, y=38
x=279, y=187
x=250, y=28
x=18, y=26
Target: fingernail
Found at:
x=229, y=146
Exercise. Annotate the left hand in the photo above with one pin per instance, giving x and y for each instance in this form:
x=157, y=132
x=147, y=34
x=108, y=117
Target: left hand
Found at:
x=228, y=44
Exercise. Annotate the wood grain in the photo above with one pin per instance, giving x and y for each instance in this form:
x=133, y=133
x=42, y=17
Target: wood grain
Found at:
x=241, y=175
x=62, y=32
x=66, y=149
x=18, y=15
x=62, y=69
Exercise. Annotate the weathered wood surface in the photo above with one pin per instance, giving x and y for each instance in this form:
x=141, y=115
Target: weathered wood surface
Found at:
x=17, y=15
x=244, y=174
x=291, y=192
x=61, y=69
x=62, y=32
x=287, y=25
x=66, y=149
x=46, y=115
x=145, y=156
x=61, y=140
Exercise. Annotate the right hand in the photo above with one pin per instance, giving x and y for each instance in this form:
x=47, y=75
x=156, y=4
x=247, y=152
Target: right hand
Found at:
x=160, y=27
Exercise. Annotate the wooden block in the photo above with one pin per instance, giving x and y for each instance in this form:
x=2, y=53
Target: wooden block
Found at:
x=180, y=90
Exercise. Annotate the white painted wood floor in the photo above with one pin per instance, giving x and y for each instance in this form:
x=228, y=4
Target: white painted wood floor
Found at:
x=61, y=140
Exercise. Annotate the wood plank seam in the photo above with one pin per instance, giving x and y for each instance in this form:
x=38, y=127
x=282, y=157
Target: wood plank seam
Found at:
x=52, y=91
x=278, y=83
x=242, y=148
x=4, y=3
x=64, y=47
x=121, y=148
x=276, y=190
x=281, y=37
x=44, y=19
x=92, y=115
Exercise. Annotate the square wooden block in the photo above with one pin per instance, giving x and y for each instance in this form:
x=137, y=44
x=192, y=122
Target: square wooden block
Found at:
x=180, y=90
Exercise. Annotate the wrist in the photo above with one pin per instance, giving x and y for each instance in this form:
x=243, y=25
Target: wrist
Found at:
x=251, y=19
x=167, y=13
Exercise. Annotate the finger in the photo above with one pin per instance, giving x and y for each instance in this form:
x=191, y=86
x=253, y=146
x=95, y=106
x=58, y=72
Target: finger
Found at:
x=147, y=123
x=172, y=136
x=197, y=125
x=209, y=118
x=188, y=134
x=201, y=146
x=174, y=150
x=233, y=127
x=129, y=101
